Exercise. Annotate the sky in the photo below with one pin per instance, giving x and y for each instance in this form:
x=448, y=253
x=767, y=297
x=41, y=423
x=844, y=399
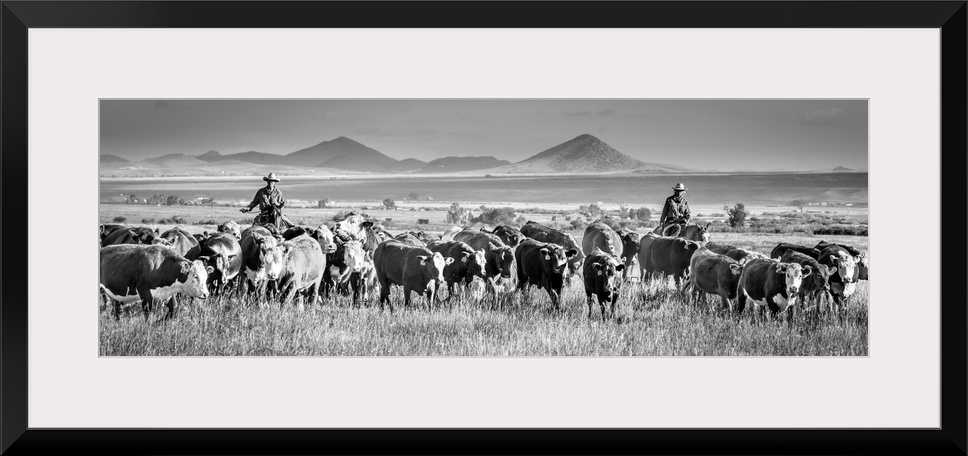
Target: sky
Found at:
x=724, y=135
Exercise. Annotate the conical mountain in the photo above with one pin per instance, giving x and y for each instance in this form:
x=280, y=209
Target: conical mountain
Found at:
x=341, y=153
x=584, y=153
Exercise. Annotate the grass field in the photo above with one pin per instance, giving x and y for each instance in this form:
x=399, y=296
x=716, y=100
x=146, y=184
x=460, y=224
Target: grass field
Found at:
x=653, y=319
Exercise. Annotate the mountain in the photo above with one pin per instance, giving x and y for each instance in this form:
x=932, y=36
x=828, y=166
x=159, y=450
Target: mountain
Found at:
x=453, y=164
x=841, y=169
x=407, y=164
x=175, y=161
x=210, y=156
x=107, y=158
x=583, y=154
x=258, y=158
x=341, y=153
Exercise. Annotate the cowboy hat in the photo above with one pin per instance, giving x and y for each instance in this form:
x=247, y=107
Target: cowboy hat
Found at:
x=680, y=187
x=272, y=177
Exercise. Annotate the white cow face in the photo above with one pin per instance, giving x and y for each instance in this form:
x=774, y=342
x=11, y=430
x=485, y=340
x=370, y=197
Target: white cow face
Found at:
x=272, y=256
x=353, y=255
x=325, y=238
x=794, y=275
x=353, y=226
x=196, y=283
x=845, y=266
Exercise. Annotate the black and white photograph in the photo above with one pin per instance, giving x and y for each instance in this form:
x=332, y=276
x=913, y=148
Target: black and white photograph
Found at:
x=483, y=227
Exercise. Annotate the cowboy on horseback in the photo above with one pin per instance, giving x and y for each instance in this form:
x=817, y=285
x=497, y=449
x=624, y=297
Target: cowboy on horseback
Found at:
x=675, y=212
x=270, y=202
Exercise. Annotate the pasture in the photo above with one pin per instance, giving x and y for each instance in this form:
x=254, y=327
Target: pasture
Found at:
x=653, y=319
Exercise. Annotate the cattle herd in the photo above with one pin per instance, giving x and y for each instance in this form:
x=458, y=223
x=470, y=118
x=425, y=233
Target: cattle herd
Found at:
x=355, y=258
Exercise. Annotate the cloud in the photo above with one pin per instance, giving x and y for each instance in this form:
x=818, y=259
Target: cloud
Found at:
x=162, y=105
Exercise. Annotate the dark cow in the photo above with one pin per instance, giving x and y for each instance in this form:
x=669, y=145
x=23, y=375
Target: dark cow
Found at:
x=630, y=250
x=109, y=228
x=343, y=265
x=132, y=235
x=509, y=235
x=414, y=268
x=783, y=247
x=224, y=255
x=409, y=239
x=182, y=243
x=669, y=256
x=468, y=263
x=696, y=233
x=302, y=270
x=644, y=245
x=861, y=258
x=422, y=236
x=544, y=233
x=740, y=255
x=202, y=237
x=232, y=227
x=498, y=258
x=714, y=273
x=543, y=264
x=843, y=272
x=131, y=273
x=262, y=257
x=770, y=283
x=601, y=281
x=818, y=284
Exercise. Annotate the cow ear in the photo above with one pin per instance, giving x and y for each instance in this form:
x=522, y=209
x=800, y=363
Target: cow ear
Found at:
x=491, y=245
x=834, y=259
x=185, y=267
x=366, y=224
x=156, y=230
x=735, y=268
x=466, y=255
x=423, y=259
x=544, y=251
x=450, y=260
x=620, y=267
x=571, y=252
x=781, y=268
x=209, y=269
x=707, y=225
x=807, y=270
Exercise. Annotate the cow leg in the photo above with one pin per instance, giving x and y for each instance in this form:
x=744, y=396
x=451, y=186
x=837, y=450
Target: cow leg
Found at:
x=725, y=303
x=588, y=296
x=147, y=301
x=611, y=311
x=740, y=300
x=170, y=304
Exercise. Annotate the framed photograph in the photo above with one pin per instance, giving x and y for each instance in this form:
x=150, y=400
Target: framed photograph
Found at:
x=361, y=227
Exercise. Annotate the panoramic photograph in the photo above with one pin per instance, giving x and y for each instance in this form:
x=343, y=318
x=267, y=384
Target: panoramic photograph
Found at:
x=483, y=227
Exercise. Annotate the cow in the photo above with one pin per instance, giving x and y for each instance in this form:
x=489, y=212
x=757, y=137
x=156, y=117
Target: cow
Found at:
x=547, y=234
x=544, y=265
x=341, y=264
x=740, y=255
x=696, y=233
x=109, y=228
x=413, y=268
x=262, y=257
x=644, y=243
x=224, y=256
x=819, y=283
x=498, y=258
x=131, y=273
x=630, y=250
x=669, y=256
x=770, y=283
x=843, y=272
x=182, y=243
x=232, y=227
x=602, y=237
x=783, y=247
x=364, y=280
x=714, y=273
x=322, y=235
x=468, y=263
x=422, y=236
x=132, y=235
x=353, y=226
x=600, y=277
x=509, y=235
x=409, y=239
x=302, y=270
x=861, y=258
x=449, y=234
x=202, y=237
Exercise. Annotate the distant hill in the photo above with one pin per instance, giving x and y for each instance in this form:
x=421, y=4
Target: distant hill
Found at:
x=407, y=164
x=585, y=154
x=175, y=161
x=107, y=158
x=454, y=164
x=258, y=158
x=841, y=169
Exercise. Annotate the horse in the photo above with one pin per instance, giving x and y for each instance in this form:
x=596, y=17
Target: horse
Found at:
x=697, y=233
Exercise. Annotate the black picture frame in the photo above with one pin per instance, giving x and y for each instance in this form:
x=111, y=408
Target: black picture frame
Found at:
x=17, y=17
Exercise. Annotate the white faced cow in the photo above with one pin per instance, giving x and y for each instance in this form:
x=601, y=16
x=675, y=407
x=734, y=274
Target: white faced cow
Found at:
x=149, y=273
x=770, y=283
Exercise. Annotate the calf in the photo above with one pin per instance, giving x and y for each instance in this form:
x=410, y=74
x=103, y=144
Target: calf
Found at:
x=714, y=273
x=861, y=258
x=542, y=264
x=630, y=249
x=182, y=243
x=341, y=264
x=414, y=268
x=510, y=236
x=262, y=257
x=601, y=237
x=782, y=248
x=670, y=256
x=224, y=255
x=231, y=227
x=468, y=263
x=498, y=258
x=819, y=283
x=770, y=283
x=601, y=281
x=843, y=273
x=131, y=273
x=302, y=270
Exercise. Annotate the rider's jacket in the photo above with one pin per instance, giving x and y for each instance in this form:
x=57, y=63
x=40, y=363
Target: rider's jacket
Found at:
x=675, y=210
x=267, y=200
